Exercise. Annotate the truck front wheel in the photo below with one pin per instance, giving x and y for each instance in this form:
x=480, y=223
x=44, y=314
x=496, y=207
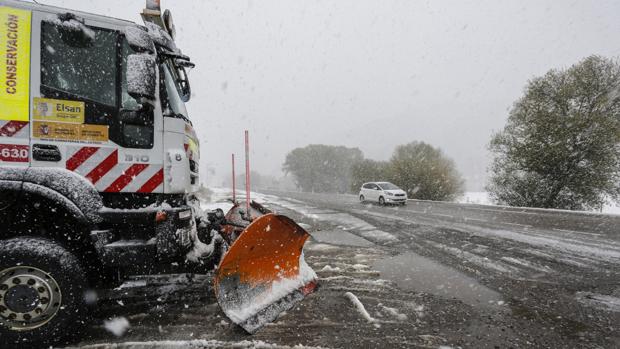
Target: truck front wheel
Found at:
x=42, y=288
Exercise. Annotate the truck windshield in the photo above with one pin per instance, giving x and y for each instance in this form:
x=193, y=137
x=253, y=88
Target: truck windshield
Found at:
x=175, y=106
x=84, y=71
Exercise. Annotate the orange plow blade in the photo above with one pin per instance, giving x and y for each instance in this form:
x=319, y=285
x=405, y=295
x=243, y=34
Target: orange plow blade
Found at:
x=264, y=272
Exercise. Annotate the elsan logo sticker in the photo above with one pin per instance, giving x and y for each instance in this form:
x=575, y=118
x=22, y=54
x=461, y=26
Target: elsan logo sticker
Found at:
x=58, y=110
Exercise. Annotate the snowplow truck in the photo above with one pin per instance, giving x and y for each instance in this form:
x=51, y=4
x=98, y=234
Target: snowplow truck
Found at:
x=99, y=170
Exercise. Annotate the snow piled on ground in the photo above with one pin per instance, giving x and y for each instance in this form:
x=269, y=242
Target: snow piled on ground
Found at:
x=117, y=326
x=195, y=344
x=394, y=312
x=359, y=307
x=219, y=198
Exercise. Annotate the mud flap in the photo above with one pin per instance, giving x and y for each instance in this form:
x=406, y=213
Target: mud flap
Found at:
x=264, y=272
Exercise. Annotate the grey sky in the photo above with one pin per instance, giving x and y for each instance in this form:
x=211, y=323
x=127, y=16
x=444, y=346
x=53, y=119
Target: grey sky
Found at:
x=371, y=74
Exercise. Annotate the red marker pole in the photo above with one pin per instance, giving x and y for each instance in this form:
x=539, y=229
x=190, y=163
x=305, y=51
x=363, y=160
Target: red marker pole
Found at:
x=233, y=180
x=247, y=173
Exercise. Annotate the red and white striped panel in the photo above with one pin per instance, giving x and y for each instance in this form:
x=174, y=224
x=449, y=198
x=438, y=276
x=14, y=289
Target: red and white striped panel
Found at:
x=14, y=129
x=101, y=167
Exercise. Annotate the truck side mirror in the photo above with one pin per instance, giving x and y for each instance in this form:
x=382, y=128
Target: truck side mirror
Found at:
x=139, y=40
x=141, y=76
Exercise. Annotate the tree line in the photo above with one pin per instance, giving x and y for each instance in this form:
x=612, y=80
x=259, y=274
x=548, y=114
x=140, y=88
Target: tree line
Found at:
x=560, y=148
x=420, y=169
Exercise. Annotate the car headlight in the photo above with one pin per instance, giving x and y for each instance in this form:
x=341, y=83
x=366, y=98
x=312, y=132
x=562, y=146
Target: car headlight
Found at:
x=390, y=194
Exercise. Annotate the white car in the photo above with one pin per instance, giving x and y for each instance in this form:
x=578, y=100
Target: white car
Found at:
x=383, y=193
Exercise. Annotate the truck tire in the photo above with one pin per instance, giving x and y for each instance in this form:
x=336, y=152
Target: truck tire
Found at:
x=42, y=288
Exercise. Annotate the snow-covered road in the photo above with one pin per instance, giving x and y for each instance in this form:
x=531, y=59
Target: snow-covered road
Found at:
x=425, y=276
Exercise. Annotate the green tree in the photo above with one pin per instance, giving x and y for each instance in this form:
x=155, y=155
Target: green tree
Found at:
x=424, y=172
x=561, y=145
x=368, y=171
x=322, y=168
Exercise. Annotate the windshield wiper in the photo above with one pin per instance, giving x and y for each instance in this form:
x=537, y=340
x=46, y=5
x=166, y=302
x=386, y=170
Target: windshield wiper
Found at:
x=178, y=116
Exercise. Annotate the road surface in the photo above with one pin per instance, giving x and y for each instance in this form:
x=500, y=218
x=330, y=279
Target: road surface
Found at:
x=428, y=275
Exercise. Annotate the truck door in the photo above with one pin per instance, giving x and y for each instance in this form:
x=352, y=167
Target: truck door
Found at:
x=15, y=28
x=83, y=119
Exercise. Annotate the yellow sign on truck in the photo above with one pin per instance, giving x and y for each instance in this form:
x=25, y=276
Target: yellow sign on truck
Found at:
x=58, y=110
x=14, y=64
x=79, y=133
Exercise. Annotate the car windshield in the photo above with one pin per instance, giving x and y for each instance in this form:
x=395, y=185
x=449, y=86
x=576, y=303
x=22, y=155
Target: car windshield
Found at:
x=387, y=186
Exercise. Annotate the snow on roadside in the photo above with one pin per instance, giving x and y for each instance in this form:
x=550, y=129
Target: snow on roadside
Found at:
x=329, y=268
x=394, y=313
x=612, y=208
x=359, y=267
x=195, y=344
x=483, y=198
x=359, y=307
x=475, y=197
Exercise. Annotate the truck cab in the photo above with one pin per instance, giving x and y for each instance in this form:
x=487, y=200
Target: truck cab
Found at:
x=99, y=161
x=99, y=167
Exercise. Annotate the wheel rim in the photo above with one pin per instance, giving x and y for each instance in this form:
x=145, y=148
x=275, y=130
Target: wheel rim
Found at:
x=381, y=201
x=29, y=298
